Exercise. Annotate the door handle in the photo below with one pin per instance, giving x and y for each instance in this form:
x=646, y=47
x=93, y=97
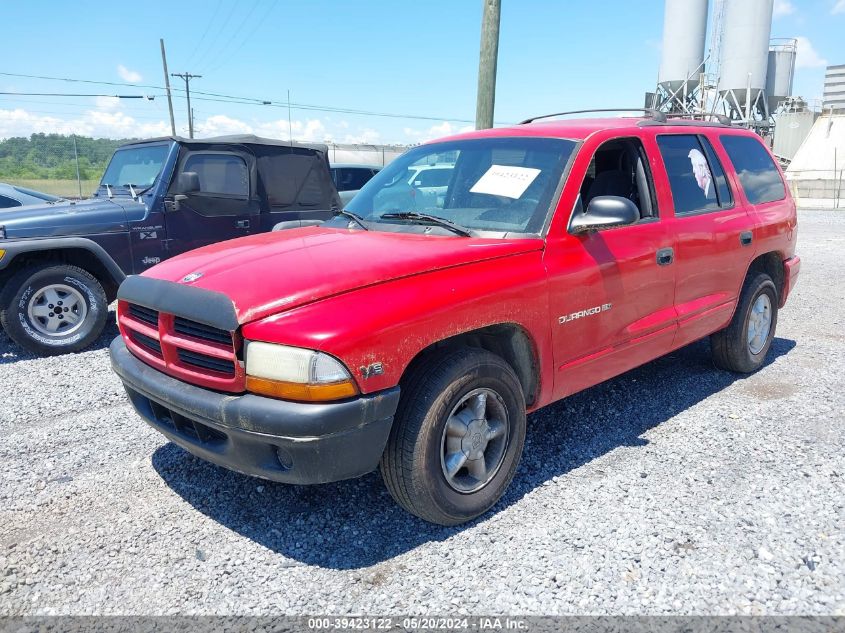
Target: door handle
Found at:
x=746, y=237
x=665, y=256
x=242, y=224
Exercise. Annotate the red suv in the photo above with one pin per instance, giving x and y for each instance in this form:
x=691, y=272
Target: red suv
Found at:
x=415, y=330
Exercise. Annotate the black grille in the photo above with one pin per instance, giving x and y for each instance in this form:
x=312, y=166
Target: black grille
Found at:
x=201, y=331
x=147, y=315
x=147, y=342
x=196, y=430
x=207, y=362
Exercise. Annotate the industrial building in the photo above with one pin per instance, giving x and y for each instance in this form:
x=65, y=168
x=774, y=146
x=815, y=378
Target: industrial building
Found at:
x=745, y=75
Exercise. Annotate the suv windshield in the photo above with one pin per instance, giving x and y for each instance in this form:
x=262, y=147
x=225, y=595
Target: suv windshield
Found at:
x=490, y=184
x=137, y=166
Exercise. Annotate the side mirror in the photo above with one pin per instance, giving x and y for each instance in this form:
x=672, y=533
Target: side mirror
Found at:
x=188, y=182
x=605, y=212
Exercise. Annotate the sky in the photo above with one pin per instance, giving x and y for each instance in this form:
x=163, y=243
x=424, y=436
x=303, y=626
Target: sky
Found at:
x=415, y=60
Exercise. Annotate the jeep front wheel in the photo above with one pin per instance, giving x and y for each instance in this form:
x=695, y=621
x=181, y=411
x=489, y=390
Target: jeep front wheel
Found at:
x=457, y=437
x=53, y=309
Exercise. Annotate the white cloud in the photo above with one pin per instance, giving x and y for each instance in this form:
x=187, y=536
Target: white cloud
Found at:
x=784, y=7
x=107, y=103
x=839, y=7
x=131, y=76
x=807, y=56
x=109, y=119
x=436, y=131
x=96, y=123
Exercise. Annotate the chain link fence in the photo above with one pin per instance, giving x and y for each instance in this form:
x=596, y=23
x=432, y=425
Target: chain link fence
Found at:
x=65, y=166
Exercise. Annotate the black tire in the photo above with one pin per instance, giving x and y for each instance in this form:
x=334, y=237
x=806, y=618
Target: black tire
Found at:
x=412, y=461
x=730, y=347
x=25, y=287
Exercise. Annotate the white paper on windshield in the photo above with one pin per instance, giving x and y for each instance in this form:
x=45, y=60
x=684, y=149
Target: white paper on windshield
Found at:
x=505, y=180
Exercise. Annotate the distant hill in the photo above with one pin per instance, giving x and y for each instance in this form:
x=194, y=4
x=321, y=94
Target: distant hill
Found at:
x=51, y=156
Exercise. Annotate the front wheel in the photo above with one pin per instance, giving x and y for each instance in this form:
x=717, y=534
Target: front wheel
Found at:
x=457, y=437
x=743, y=345
x=53, y=309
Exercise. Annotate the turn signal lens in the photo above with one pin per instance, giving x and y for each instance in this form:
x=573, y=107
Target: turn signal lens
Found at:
x=2, y=253
x=301, y=392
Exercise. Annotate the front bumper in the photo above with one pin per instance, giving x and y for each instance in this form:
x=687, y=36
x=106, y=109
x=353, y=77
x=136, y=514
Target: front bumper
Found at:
x=300, y=443
x=791, y=267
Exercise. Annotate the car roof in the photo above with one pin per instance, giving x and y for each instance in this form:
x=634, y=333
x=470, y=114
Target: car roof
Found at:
x=580, y=129
x=232, y=139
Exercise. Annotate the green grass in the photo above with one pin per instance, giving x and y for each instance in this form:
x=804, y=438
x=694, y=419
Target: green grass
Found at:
x=63, y=188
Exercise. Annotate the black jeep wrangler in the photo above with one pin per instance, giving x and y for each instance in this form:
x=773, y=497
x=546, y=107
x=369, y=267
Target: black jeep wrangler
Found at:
x=61, y=262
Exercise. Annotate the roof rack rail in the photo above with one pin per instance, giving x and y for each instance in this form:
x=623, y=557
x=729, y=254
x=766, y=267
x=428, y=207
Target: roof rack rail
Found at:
x=704, y=116
x=655, y=115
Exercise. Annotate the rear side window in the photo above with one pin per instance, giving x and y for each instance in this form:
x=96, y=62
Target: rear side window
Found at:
x=220, y=174
x=757, y=172
x=6, y=203
x=696, y=177
x=433, y=178
x=352, y=178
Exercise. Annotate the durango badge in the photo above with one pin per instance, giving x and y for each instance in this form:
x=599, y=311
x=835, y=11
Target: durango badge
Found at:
x=585, y=313
x=192, y=277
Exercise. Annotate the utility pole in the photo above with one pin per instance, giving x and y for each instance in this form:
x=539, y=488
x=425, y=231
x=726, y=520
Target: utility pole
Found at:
x=167, y=86
x=487, y=64
x=187, y=77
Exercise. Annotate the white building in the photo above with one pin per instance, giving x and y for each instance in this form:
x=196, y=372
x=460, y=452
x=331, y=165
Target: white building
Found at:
x=834, y=88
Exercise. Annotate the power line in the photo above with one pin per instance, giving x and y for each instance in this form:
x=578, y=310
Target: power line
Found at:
x=205, y=32
x=202, y=58
x=272, y=5
x=225, y=98
x=69, y=94
x=222, y=49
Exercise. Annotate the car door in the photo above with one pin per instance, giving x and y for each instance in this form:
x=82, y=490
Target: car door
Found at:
x=219, y=206
x=713, y=234
x=612, y=290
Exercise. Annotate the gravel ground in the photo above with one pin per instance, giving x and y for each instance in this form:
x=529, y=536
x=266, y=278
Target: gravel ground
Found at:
x=676, y=488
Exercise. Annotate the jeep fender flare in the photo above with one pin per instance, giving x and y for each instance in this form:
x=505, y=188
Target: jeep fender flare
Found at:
x=14, y=248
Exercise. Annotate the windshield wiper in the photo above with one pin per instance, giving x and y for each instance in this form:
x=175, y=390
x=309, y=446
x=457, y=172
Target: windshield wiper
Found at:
x=108, y=190
x=433, y=219
x=357, y=218
x=131, y=190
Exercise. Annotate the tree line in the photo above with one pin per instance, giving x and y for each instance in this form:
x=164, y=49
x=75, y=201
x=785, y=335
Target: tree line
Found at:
x=51, y=156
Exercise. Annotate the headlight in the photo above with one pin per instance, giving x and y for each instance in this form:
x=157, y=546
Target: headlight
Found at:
x=294, y=373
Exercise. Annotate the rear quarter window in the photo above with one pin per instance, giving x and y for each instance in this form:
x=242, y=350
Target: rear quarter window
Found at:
x=7, y=203
x=758, y=175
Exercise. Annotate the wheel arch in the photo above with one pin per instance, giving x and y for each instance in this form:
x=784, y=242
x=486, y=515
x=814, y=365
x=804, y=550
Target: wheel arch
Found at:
x=509, y=341
x=80, y=252
x=770, y=263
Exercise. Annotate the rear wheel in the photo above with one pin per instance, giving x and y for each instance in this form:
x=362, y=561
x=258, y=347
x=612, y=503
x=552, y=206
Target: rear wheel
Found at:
x=457, y=437
x=53, y=309
x=743, y=345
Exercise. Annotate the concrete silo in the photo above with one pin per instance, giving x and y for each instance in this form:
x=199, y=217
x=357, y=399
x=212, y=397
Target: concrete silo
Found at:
x=780, y=71
x=744, y=57
x=682, y=57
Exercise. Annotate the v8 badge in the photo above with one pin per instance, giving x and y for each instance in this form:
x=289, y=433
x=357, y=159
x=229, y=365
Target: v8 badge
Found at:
x=375, y=369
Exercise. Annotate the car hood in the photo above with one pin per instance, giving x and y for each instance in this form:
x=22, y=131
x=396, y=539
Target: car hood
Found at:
x=64, y=218
x=265, y=274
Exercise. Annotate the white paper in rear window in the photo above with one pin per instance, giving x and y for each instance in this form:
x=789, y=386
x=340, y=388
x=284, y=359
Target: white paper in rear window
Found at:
x=505, y=180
